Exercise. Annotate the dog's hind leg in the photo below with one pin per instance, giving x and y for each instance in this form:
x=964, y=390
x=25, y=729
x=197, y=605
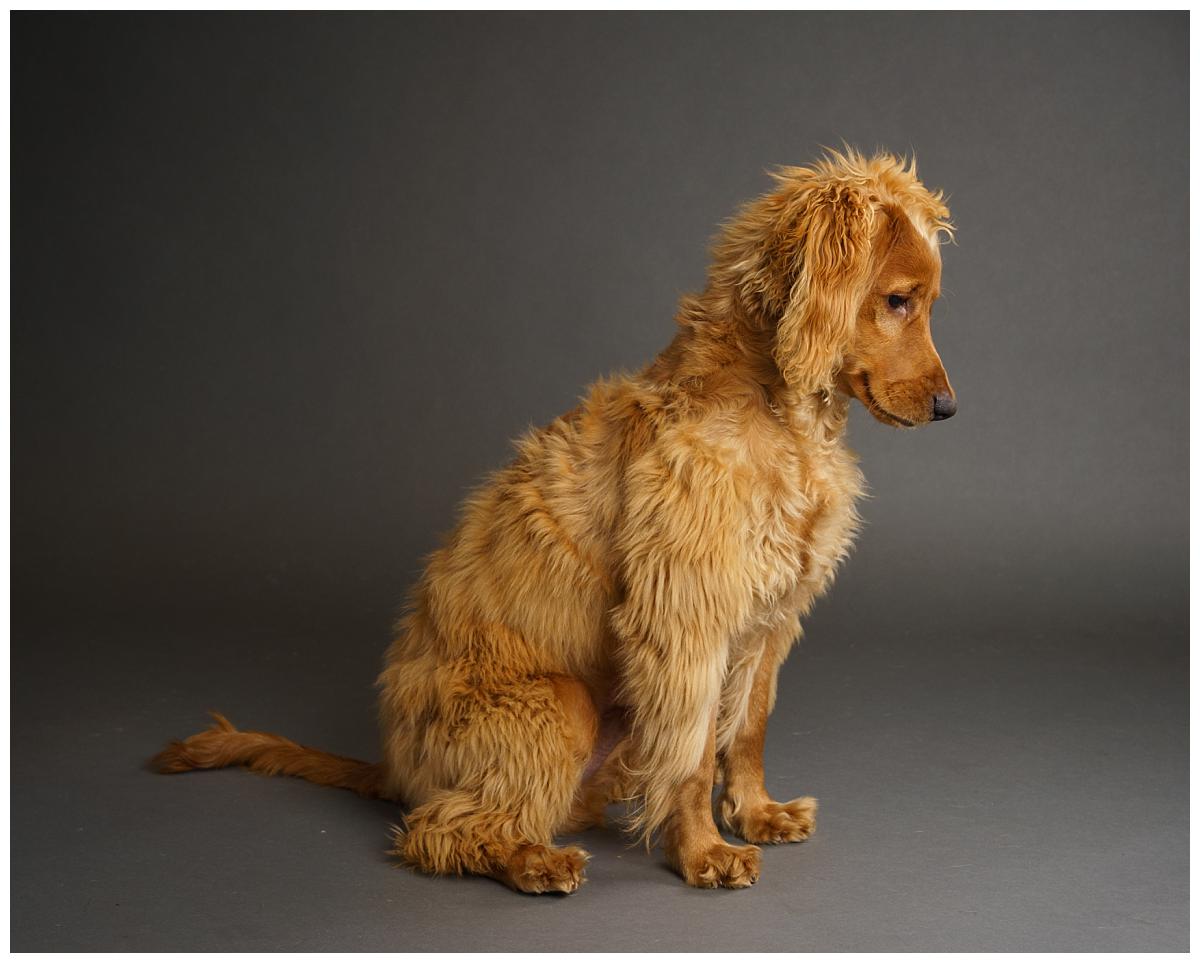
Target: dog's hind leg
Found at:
x=456, y=833
x=517, y=752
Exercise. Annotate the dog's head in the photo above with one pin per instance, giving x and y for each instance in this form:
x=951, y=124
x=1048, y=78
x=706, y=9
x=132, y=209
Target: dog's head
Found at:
x=843, y=261
x=892, y=366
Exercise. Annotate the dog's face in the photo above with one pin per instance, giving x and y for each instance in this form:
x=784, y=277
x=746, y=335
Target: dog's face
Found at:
x=892, y=366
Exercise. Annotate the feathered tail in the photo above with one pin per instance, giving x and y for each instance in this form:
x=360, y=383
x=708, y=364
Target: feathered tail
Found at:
x=223, y=745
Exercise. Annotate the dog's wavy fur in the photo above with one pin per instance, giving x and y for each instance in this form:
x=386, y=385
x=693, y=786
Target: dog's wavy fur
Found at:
x=607, y=619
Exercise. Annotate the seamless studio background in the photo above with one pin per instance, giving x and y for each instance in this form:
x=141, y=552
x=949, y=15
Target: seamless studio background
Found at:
x=285, y=286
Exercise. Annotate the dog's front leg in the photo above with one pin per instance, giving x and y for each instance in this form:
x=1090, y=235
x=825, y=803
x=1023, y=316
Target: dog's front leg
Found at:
x=746, y=808
x=681, y=545
x=673, y=761
x=691, y=841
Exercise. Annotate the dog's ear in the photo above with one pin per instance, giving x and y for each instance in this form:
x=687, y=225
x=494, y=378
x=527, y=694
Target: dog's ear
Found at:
x=832, y=242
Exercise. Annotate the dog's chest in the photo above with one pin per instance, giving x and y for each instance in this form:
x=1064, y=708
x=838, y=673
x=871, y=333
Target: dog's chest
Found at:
x=800, y=523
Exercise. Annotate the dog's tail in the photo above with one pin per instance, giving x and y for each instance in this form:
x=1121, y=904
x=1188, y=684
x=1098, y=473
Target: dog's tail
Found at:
x=223, y=745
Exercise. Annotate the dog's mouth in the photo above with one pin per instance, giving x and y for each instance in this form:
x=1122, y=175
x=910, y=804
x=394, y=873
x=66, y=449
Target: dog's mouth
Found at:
x=879, y=411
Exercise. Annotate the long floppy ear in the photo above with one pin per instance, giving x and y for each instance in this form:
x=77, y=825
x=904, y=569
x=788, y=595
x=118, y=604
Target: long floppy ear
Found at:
x=817, y=325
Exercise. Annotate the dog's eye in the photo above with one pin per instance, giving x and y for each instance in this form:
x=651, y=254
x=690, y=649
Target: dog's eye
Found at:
x=897, y=301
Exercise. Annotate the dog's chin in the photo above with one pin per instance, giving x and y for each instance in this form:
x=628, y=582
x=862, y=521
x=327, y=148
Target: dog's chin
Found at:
x=861, y=385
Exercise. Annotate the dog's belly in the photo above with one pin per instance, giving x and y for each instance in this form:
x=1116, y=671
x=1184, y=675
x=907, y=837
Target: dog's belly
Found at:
x=613, y=727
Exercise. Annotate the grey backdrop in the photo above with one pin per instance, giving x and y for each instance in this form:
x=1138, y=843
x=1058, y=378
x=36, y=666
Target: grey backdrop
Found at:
x=283, y=288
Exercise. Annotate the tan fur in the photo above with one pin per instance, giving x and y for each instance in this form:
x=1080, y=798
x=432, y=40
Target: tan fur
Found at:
x=222, y=745
x=646, y=558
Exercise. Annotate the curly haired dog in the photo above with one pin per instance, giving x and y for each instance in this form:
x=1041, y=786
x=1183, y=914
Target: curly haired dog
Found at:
x=608, y=618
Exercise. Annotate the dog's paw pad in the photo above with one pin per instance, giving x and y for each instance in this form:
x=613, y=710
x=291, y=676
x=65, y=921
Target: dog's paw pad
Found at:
x=542, y=869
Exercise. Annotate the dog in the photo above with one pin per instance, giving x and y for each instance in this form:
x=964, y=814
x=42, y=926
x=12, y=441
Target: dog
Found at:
x=607, y=620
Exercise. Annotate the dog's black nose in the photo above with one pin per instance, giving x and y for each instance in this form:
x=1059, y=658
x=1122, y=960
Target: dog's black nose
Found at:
x=944, y=406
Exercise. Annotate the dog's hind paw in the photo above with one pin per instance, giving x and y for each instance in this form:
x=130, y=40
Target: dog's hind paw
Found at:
x=543, y=869
x=772, y=822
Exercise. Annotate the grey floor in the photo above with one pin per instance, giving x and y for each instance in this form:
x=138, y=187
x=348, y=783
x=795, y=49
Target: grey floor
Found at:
x=992, y=777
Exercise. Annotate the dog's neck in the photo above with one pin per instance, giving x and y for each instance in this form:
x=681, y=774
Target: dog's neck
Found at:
x=722, y=353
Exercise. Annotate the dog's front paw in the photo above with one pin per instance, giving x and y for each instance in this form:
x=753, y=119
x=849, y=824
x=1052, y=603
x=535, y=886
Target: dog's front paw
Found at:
x=772, y=822
x=733, y=867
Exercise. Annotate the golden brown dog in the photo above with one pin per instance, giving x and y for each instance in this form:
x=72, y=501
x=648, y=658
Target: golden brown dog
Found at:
x=608, y=618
